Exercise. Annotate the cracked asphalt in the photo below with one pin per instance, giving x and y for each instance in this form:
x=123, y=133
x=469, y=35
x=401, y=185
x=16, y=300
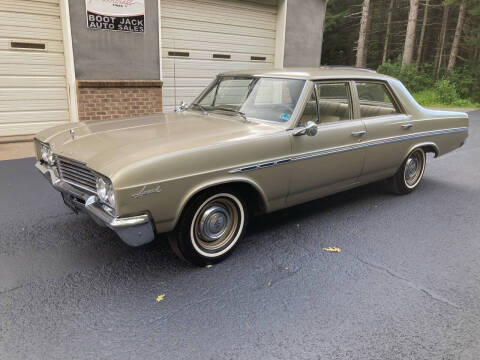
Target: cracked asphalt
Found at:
x=406, y=284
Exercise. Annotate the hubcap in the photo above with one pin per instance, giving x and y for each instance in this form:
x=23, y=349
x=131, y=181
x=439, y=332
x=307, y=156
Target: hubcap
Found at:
x=216, y=224
x=411, y=168
x=414, y=168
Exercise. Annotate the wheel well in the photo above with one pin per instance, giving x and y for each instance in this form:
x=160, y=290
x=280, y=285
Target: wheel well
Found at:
x=248, y=192
x=430, y=149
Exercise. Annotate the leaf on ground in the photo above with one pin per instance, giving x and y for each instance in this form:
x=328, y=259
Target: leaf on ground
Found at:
x=332, y=249
x=160, y=297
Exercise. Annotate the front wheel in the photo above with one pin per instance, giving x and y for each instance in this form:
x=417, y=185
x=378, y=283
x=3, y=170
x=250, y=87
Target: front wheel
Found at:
x=410, y=173
x=210, y=227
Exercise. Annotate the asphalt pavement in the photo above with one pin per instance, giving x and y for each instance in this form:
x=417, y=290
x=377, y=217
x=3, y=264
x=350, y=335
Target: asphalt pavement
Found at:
x=406, y=284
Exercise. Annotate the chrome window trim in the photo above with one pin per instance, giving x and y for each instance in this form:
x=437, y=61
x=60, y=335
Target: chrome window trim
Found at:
x=397, y=104
x=349, y=96
x=340, y=149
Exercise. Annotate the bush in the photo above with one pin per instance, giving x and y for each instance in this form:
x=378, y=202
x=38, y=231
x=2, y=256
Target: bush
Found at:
x=467, y=81
x=459, y=88
x=445, y=92
x=413, y=80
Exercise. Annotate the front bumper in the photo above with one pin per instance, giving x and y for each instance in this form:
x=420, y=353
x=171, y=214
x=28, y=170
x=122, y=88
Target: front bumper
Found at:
x=134, y=231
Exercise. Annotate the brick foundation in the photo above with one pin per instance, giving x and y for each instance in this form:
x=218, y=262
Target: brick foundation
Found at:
x=115, y=99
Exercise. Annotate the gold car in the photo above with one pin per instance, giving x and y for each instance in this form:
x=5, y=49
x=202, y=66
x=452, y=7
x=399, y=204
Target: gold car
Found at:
x=251, y=142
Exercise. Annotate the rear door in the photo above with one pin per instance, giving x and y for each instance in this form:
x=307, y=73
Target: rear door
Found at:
x=387, y=128
x=333, y=159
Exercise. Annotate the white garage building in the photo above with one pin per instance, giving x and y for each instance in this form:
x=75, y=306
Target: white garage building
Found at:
x=55, y=68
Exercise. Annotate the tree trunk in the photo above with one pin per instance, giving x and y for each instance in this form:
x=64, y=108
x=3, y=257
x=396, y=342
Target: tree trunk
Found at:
x=456, y=38
x=443, y=33
x=362, y=36
x=422, y=34
x=387, y=35
x=410, y=36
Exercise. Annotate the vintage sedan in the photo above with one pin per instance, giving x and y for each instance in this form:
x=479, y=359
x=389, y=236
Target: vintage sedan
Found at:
x=251, y=142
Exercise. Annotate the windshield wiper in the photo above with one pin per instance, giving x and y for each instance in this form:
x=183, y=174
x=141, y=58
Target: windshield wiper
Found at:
x=205, y=112
x=238, y=112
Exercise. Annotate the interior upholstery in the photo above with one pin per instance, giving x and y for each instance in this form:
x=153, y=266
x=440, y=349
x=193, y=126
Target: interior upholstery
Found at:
x=331, y=111
x=375, y=110
x=310, y=112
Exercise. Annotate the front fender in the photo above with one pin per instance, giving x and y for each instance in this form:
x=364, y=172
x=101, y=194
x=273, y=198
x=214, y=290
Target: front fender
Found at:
x=216, y=182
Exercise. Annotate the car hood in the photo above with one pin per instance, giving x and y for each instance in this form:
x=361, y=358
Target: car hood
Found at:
x=106, y=146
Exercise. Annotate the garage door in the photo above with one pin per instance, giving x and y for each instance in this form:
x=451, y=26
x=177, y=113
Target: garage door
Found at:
x=201, y=38
x=33, y=93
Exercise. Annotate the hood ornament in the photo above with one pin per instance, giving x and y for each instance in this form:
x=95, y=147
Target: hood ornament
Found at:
x=72, y=134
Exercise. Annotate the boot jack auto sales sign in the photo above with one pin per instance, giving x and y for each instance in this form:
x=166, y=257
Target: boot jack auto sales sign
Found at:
x=116, y=15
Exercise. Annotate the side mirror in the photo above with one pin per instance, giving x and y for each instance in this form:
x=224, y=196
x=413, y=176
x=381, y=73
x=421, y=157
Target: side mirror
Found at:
x=310, y=129
x=181, y=107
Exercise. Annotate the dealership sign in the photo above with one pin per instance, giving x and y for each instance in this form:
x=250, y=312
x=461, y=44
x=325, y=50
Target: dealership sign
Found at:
x=117, y=15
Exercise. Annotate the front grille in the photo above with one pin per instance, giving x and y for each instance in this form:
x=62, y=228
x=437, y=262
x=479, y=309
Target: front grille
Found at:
x=76, y=174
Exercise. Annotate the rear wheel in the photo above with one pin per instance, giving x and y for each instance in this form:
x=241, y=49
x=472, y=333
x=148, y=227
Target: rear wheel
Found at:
x=410, y=173
x=210, y=227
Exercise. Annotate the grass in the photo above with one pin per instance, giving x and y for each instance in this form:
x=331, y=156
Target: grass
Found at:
x=432, y=98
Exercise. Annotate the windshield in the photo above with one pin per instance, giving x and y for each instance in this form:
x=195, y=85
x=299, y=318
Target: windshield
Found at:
x=269, y=99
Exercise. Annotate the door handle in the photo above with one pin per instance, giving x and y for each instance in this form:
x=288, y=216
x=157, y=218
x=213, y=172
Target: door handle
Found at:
x=407, y=126
x=359, y=133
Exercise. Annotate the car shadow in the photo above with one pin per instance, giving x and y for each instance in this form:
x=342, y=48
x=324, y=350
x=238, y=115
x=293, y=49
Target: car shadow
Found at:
x=294, y=214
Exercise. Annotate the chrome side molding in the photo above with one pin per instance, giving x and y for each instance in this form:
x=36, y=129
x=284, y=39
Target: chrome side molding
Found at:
x=346, y=148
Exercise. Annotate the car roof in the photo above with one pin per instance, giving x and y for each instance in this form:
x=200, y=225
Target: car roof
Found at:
x=322, y=72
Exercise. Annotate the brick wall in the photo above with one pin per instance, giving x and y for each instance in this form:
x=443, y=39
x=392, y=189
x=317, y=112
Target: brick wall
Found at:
x=105, y=100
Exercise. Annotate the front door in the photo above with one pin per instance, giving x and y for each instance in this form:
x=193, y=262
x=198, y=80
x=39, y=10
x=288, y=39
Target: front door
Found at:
x=332, y=160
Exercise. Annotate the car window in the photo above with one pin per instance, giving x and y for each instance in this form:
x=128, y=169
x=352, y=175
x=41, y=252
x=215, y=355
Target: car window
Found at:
x=271, y=99
x=232, y=92
x=333, y=101
x=310, y=113
x=375, y=100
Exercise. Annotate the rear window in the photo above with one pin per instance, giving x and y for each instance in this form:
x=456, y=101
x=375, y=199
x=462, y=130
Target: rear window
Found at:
x=375, y=100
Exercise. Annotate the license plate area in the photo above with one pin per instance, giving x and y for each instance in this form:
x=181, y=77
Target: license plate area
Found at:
x=72, y=202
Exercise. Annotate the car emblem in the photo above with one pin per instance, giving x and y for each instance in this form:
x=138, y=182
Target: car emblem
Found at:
x=72, y=134
x=144, y=191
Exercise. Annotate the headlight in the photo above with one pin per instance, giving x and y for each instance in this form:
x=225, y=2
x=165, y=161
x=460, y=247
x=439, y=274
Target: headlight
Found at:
x=105, y=192
x=46, y=154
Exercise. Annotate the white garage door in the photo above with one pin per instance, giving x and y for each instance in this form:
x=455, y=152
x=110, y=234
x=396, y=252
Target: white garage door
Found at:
x=33, y=93
x=201, y=38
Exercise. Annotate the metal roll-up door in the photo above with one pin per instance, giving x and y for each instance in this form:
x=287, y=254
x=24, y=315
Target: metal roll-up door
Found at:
x=33, y=92
x=201, y=38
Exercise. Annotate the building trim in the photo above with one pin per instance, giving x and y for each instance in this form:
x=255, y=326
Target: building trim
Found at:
x=280, y=33
x=160, y=39
x=69, y=60
x=118, y=83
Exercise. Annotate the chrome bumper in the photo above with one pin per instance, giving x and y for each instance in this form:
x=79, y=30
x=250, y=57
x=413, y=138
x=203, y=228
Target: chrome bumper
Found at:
x=134, y=231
